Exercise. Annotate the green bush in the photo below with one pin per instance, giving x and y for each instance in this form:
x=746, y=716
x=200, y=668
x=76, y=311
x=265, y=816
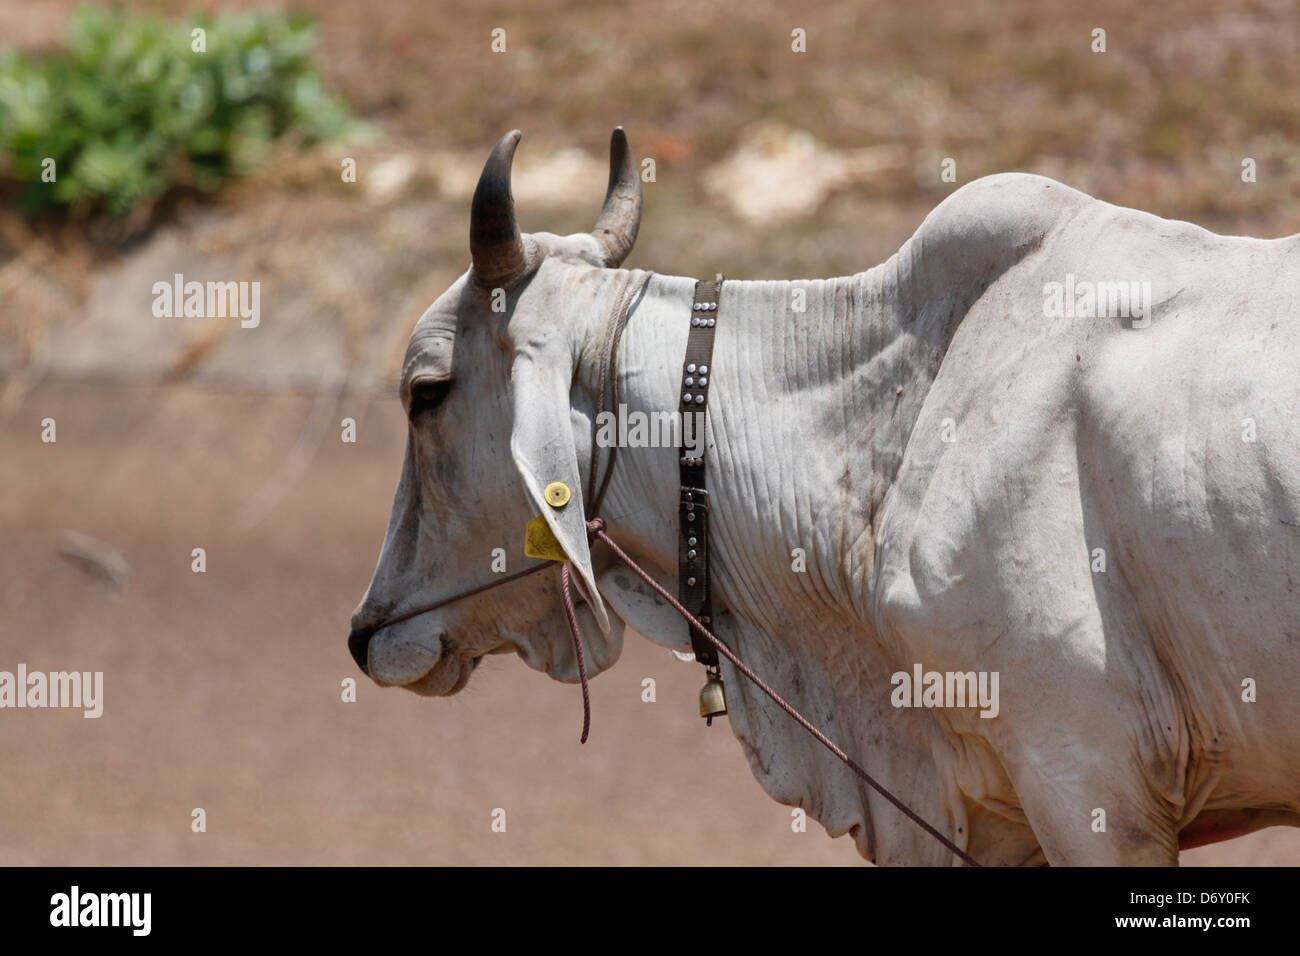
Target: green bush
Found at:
x=128, y=111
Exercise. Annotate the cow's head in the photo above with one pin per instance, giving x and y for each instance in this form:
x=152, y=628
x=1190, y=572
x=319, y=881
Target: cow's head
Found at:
x=495, y=416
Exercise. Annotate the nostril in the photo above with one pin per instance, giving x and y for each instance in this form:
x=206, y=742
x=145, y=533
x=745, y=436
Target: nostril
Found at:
x=359, y=646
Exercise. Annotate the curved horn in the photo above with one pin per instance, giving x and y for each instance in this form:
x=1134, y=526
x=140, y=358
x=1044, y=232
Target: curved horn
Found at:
x=621, y=217
x=493, y=235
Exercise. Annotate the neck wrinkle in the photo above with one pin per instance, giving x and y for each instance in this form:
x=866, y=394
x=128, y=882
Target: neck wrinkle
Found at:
x=802, y=430
x=805, y=435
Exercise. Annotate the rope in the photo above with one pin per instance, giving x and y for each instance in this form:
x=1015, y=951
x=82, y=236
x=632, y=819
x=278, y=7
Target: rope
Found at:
x=577, y=650
x=608, y=386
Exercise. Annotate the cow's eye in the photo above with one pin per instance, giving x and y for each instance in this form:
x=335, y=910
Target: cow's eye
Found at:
x=427, y=395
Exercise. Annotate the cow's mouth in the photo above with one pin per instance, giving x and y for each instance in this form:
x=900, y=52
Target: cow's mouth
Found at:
x=448, y=676
x=428, y=665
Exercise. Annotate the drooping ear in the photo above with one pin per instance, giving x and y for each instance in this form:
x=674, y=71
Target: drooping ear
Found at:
x=544, y=452
x=641, y=609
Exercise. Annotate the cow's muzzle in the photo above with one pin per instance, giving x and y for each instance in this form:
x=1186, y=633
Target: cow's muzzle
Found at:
x=359, y=647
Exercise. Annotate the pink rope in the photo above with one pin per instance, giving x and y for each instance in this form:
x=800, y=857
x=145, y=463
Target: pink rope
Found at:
x=577, y=648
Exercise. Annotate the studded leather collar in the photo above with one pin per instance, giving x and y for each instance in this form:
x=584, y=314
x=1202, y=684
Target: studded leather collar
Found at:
x=693, y=505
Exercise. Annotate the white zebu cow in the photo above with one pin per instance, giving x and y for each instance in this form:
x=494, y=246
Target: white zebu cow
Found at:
x=1103, y=511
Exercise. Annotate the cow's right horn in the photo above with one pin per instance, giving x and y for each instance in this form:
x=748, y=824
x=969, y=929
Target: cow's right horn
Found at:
x=621, y=216
x=494, y=241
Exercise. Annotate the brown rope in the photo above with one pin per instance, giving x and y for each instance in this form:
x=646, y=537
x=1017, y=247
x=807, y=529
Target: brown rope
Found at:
x=426, y=608
x=606, y=388
x=596, y=529
x=577, y=649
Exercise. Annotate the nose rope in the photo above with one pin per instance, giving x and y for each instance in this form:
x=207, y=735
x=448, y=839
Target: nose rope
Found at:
x=596, y=529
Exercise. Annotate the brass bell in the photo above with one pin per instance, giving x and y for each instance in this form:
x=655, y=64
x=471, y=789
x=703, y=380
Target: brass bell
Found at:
x=713, y=698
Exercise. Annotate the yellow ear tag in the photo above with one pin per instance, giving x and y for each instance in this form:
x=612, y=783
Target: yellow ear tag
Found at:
x=540, y=542
x=556, y=494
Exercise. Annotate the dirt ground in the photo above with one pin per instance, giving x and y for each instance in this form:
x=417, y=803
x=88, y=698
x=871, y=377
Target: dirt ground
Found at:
x=223, y=690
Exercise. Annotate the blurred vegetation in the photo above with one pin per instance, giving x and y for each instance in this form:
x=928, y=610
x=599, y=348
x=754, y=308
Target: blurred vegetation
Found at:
x=129, y=112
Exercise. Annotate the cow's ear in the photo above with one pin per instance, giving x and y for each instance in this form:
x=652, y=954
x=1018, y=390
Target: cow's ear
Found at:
x=642, y=609
x=544, y=452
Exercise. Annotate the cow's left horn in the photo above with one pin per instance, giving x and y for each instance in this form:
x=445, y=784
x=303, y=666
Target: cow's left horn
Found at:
x=494, y=240
x=621, y=217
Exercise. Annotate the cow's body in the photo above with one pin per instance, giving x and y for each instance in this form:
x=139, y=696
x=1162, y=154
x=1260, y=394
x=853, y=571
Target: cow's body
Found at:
x=953, y=465
x=1123, y=689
